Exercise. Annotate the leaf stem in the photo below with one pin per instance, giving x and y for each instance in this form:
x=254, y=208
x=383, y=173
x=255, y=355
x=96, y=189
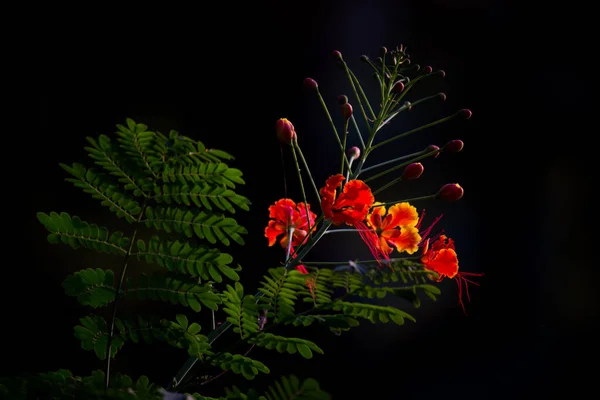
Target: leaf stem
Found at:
x=303, y=197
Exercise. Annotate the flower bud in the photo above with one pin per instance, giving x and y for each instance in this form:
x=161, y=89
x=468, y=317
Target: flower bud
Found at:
x=442, y=73
x=454, y=146
x=442, y=96
x=413, y=171
x=310, y=83
x=354, y=153
x=398, y=87
x=347, y=110
x=337, y=55
x=342, y=99
x=384, y=50
x=364, y=58
x=433, y=147
x=466, y=113
x=427, y=70
x=450, y=192
x=285, y=130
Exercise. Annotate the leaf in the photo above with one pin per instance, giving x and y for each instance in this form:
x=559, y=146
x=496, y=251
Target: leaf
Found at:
x=239, y=364
x=77, y=233
x=284, y=344
x=202, y=195
x=92, y=287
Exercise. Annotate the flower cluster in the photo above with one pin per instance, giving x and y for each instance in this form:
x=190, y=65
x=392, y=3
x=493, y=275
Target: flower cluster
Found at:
x=349, y=201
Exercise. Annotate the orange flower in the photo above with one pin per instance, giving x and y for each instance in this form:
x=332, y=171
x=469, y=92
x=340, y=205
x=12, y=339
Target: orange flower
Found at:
x=397, y=228
x=286, y=214
x=441, y=257
x=351, y=206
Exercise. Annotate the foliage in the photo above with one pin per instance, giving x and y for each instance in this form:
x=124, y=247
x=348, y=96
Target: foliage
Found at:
x=180, y=200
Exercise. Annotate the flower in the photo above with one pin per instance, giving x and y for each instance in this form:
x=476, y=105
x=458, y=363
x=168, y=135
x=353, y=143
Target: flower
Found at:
x=441, y=258
x=397, y=228
x=351, y=206
x=285, y=130
x=450, y=192
x=288, y=216
x=413, y=171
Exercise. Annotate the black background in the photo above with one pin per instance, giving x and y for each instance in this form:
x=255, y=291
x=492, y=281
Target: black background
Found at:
x=224, y=73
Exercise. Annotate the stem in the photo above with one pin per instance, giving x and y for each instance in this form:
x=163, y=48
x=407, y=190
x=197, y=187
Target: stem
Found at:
x=289, y=245
x=117, y=295
x=337, y=136
x=303, y=197
x=387, y=171
x=362, y=143
x=389, y=203
x=344, y=149
x=429, y=125
x=307, y=170
x=391, y=260
x=360, y=89
x=392, y=161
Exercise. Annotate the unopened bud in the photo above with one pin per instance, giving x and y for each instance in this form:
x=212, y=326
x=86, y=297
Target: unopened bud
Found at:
x=413, y=171
x=310, y=83
x=364, y=58
x=398, y=87
x=433, y=147
x=347, y=110
x=337, y=55
x=465, y=112
x=450, y=192
x=285, y=131
x=442, y=96
x=427, y=70
x=354, y=153
x=384, y=50
x=342, y=99
x=454, y=146
x=442, y=73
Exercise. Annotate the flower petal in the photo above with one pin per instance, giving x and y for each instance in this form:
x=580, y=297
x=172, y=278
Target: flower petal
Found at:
x=401, y=214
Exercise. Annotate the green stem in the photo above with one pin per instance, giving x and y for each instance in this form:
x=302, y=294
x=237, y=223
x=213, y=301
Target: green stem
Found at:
x=362, y=143
x=390, y=203
x=117, y=296
x=404, y=164
x=335, y=132
x=303, y=194
x=429, y=125
x=307, y=170
x=392, y=161
x=344, y=149
x=360, y=89
x=391, y=260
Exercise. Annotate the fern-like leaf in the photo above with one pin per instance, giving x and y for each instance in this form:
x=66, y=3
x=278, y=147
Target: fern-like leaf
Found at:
x=211, y=172
x=102, y=188
x=176, y=291
x=372, y=312
x=280, y=292
x=239, y=364
x=202, y=195
x=187, y=258
x=242, y=310
x=94, y=335
x=284, y=344
x=77, y=233
x=92, y=287
x=410, y=293
x=335, y=322
x=290, y=388
x=138, y=144
x=107, y=155
x=204, y=225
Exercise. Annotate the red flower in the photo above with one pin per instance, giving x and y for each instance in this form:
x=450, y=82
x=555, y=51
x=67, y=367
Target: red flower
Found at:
x=351, y=206
x=441, y=257
x=396, y=228
x=285, y=216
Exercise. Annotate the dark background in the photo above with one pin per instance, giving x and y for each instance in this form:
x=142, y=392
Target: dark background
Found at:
x=223, y=74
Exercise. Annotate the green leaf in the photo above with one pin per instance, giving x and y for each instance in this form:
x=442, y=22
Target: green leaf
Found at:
x=284, y=344
x=93, y=288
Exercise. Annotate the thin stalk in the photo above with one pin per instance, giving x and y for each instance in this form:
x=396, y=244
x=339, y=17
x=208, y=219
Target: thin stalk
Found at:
x=344, y=149
x=362, y=142
x=303, y=195
x=360, y=89
x=392, y=161
x=389, y=203
x=391, y=260
x=307, y=170
x=111, y=331
x=404, y=164
x=337, y=136
x=429, y=125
